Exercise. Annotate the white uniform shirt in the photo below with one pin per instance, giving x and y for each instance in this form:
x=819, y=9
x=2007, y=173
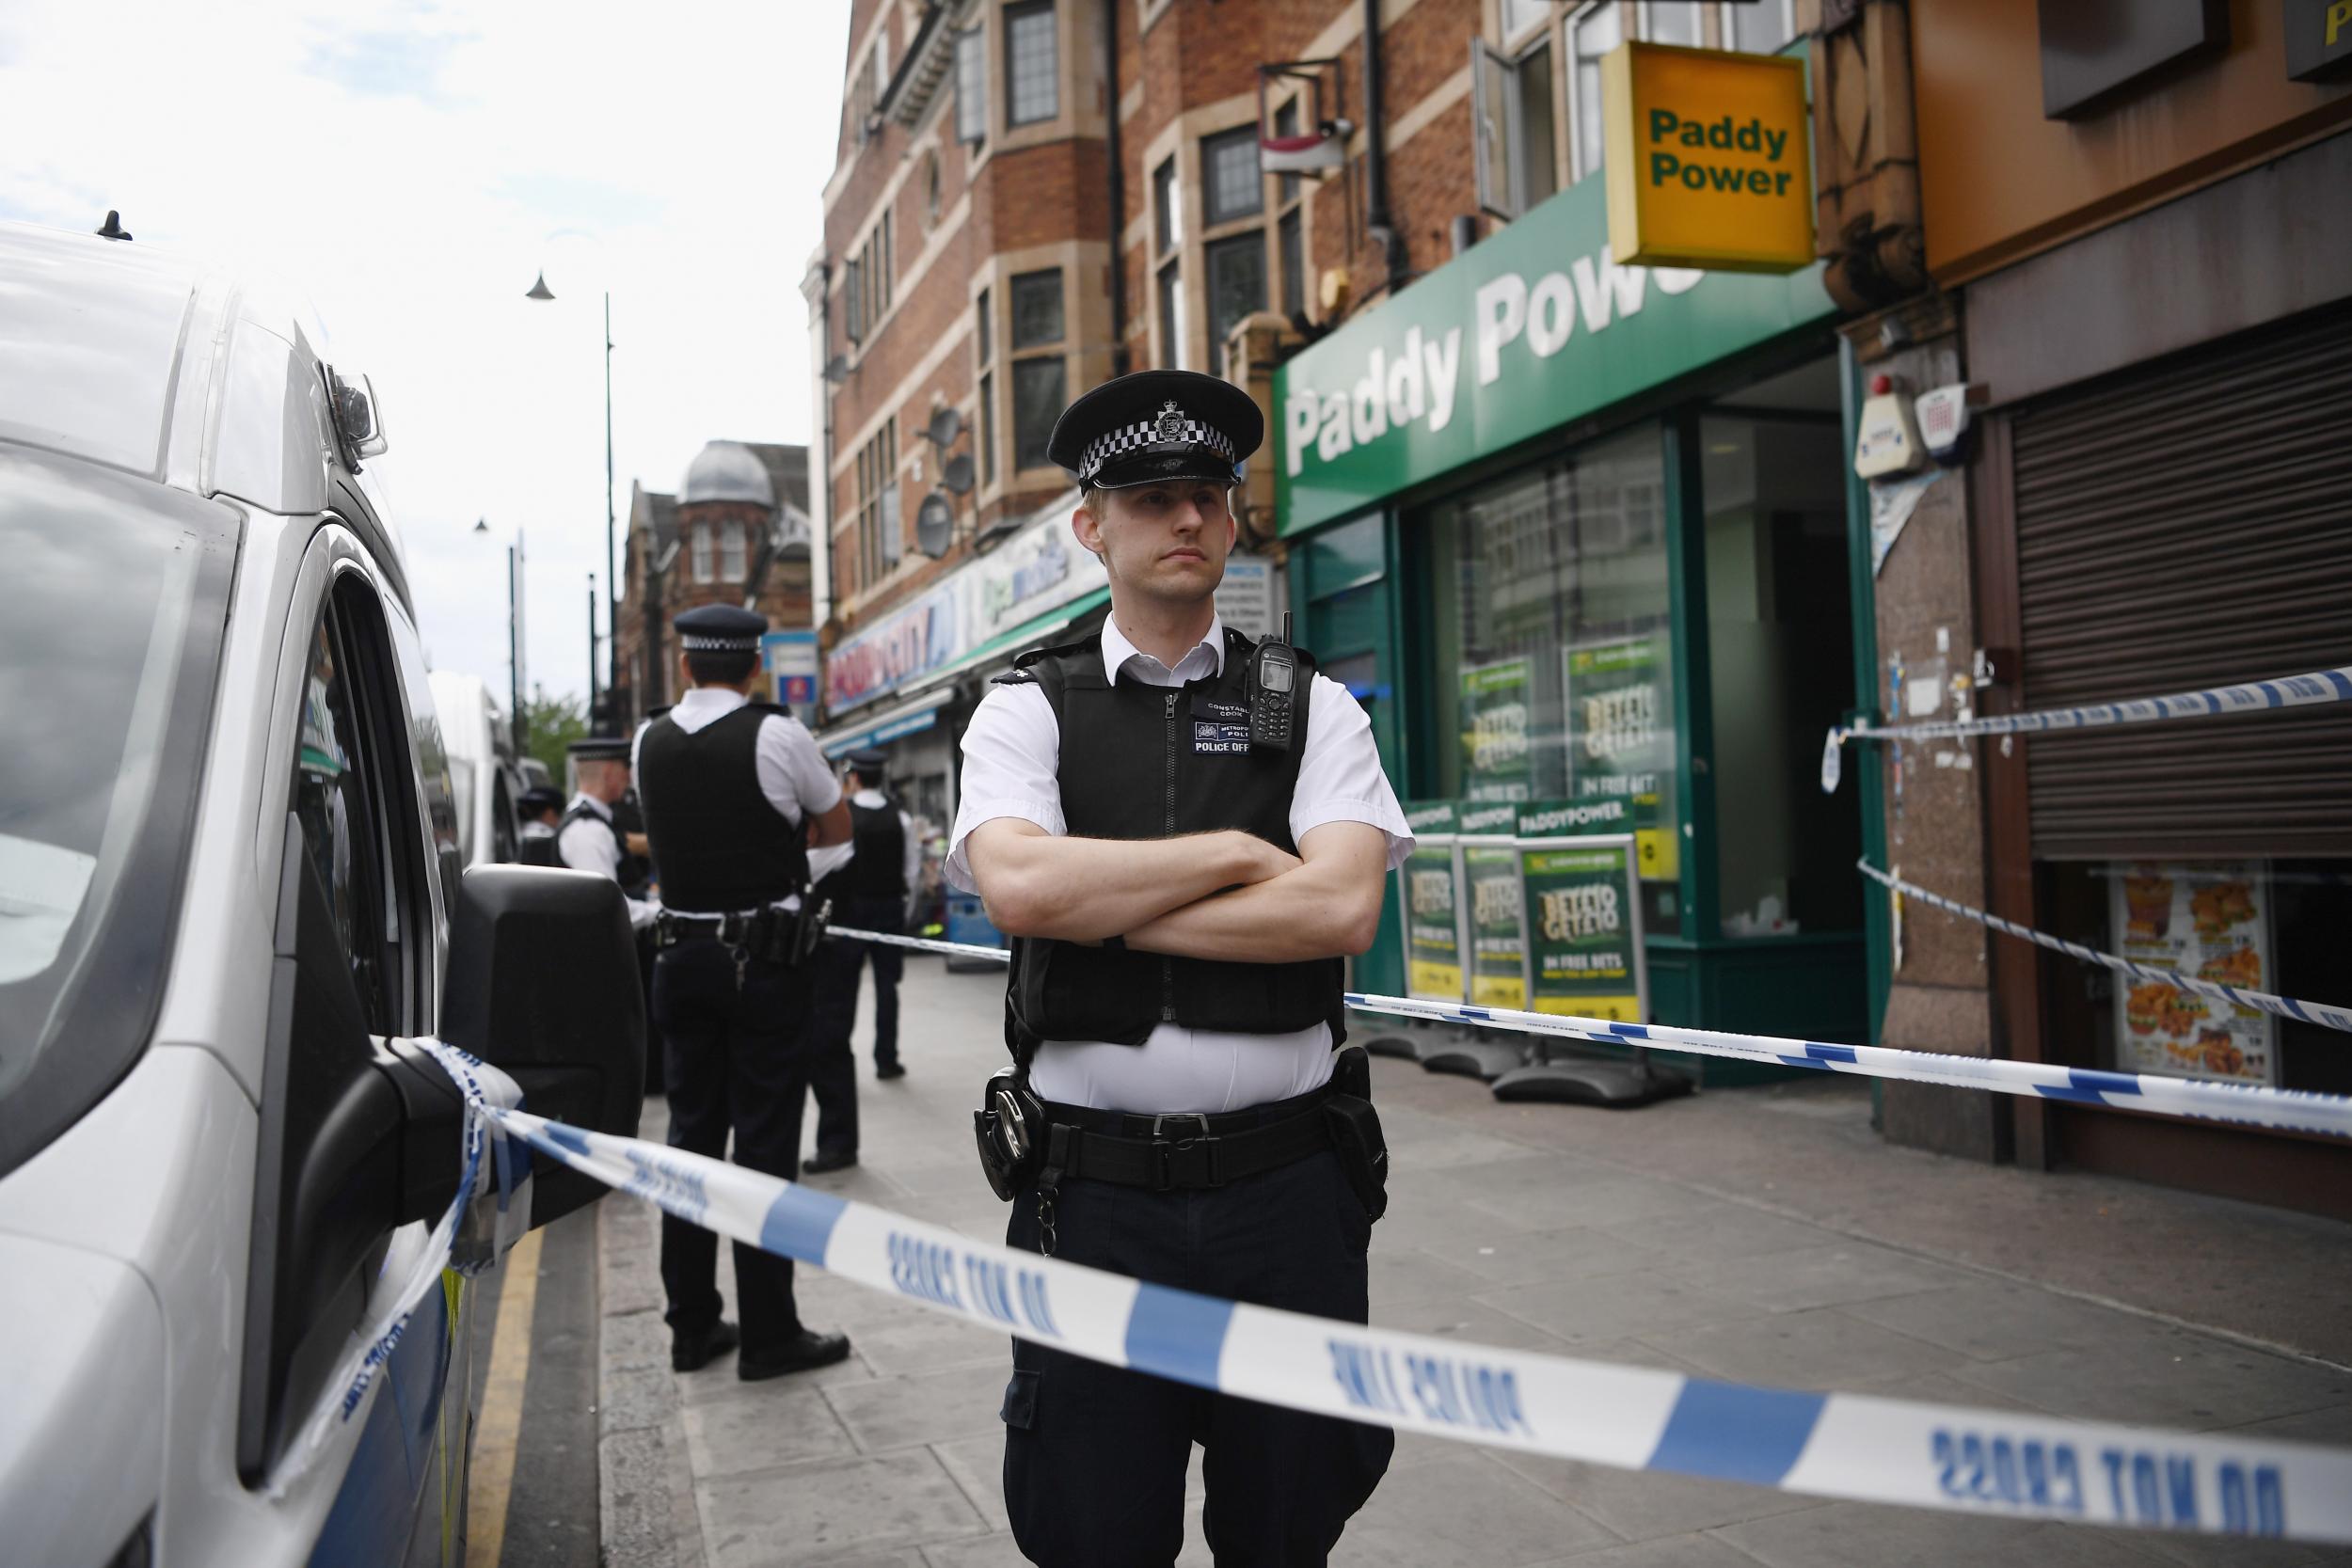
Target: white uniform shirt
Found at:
x=1012, y=757
x=832, y=857
x=589, y=846
x=792, y=772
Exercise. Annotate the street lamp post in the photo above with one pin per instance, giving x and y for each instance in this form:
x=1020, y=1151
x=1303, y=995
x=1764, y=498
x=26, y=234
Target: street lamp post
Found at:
x=539, y=289
x=519, y=724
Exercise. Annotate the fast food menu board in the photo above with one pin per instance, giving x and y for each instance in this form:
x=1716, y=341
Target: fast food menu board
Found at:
x=2212, y=922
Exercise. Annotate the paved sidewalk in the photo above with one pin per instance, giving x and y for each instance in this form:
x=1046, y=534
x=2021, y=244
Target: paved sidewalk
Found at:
x=1762, y=1236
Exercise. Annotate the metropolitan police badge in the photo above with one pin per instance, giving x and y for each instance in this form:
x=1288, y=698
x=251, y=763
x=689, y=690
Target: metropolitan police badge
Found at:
x=1171, y=422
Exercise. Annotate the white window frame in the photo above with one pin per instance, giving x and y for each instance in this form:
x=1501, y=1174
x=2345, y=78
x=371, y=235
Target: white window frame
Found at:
x=1496, y=73
x=701, y=551
x=735, y=558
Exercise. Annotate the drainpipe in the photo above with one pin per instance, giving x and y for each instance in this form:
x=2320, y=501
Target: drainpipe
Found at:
x=1376, y=223
x=1118, y=190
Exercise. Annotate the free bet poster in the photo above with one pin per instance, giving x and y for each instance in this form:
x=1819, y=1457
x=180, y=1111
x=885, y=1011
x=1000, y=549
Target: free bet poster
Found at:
x=2212, y=922
x=1581, y=931
x=1498, y=923
x=1621, y=737
x=1433, y=941
x=1497, y=762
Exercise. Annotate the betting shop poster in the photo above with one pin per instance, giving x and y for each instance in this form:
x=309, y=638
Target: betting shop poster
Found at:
x=1581, y=930
x=1490, y=873
x=1621, y=737
x=1496, y=761
x=1433, y=937
x=2214, y=922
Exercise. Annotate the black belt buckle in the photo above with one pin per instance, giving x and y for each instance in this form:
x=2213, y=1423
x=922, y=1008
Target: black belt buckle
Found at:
x=1166, y=1149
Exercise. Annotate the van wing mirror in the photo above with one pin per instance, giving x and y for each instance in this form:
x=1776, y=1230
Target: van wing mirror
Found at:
x=542, y=983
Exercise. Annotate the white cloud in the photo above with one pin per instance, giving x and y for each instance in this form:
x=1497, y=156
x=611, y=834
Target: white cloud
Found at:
x=411, y=167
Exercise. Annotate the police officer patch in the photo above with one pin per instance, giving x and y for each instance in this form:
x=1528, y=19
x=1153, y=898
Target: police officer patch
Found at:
x=1171, y=421
x=1219, y=729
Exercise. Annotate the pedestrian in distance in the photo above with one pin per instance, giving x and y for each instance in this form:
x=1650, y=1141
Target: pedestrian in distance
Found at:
x=541, y=810
x=735, y=793
x=865, y=883
x=1184, y=832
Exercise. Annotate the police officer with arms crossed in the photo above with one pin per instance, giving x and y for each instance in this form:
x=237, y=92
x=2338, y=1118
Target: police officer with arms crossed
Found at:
x=866, y=883
x=735, y=792
x=1181, y=874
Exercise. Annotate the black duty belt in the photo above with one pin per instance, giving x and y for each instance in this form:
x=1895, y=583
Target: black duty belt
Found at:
x=1188, y=1149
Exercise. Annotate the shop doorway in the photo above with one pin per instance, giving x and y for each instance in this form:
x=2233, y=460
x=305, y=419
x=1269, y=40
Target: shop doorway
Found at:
x=1780, y=642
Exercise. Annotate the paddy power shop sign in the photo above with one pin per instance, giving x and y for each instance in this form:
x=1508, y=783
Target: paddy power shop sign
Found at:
x=1530, y=329
x=1708, y=160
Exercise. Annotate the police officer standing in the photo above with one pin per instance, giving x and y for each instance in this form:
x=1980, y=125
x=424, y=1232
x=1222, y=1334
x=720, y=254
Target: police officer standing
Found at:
x=1185, y=832
x=588, y=839
x=733, y=793
x=864, y=882
x=542, y=812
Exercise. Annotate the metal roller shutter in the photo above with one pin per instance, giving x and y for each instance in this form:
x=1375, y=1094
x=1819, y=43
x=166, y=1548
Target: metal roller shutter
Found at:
x=2184, y=524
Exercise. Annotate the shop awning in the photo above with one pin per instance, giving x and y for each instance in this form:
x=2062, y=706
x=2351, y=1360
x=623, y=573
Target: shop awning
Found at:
x=1025, y=634
x=876, y=729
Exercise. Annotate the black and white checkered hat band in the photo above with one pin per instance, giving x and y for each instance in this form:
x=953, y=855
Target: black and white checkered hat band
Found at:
x=1148, y=433
x=694, y=645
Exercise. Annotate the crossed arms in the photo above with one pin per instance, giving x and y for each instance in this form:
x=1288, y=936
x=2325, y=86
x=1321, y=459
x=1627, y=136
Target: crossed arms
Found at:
x=1225, y=896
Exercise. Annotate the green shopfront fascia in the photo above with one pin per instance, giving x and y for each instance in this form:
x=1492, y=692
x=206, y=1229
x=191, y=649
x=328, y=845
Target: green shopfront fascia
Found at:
x=1574, y=532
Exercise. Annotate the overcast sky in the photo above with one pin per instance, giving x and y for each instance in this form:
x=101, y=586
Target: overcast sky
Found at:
x=410, y=166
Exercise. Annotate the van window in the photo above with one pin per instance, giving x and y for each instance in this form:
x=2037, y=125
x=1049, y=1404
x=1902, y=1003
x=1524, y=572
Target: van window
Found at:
x=117, y=599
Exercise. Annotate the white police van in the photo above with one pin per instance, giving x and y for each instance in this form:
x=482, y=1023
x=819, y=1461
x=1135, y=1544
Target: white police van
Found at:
x=229, y=898
x=485, y=781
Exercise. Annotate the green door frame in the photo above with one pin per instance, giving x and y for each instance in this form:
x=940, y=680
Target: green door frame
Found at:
x=1862, y=762
x=1694, y=702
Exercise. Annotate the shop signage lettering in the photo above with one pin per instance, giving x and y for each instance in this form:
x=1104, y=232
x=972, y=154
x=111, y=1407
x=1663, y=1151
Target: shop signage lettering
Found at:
x=1494, y=699
x=1620, y=701
x=1583, y=949
x=1433, y=938
x=1528, y=330
x=1039, y=569
x=1708, y=161
x=1497, y=925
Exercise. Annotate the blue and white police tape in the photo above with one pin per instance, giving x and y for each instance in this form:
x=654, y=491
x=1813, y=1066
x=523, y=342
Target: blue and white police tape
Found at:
x=2318, y=687
x=469, y=1238
x=2250, y=1105
x=2285, y=1006
x=1990, y=1463
x=2247, y=1105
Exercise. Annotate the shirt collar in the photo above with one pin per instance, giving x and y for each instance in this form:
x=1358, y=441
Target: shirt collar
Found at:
x=1116, y=650
x=584, y=799
x=713, y=700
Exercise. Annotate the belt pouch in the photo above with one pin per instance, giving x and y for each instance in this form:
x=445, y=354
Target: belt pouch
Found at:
x=1356, y=1136
x=1009, y=1128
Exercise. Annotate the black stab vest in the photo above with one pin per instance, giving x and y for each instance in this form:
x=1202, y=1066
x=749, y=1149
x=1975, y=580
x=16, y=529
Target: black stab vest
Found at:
x=878, y=870
x=720, y=845
x=1148, y=762
x=539, y=849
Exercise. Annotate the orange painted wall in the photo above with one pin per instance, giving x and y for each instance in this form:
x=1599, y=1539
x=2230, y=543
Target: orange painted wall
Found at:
x=1998, y=181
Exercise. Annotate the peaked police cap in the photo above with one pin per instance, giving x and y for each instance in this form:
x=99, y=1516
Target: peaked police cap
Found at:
x=720, y=628
x=1156, y=427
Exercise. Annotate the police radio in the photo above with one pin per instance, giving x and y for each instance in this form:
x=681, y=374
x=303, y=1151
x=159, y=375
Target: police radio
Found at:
x=1273, y=681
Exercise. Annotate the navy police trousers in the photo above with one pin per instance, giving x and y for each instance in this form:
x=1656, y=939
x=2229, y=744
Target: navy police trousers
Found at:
x=1095, y=1456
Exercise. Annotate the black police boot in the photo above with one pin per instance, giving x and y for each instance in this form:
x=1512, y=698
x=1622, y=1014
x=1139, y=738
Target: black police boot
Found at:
x=805, y=1352
x=823, y=1160
x=888, y=1070
x=691, y=1353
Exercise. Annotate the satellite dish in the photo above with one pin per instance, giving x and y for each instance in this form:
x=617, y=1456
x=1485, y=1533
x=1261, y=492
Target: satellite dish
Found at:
x=956, y=474
x=934, y=525
x=946, y=424
x=838, y=369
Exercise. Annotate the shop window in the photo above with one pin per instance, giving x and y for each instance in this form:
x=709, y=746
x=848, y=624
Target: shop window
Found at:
x=2277, y=926
x=702, y=552
x=1513, y=124
x=1764, y=28
x=1032, y=63
x=734, y=562
x=972, y=85
x=1236, y=269
x=1231, y=186
x=1781, y=671
x=1036, y=403
x=1554, y=651
x=1037, y=310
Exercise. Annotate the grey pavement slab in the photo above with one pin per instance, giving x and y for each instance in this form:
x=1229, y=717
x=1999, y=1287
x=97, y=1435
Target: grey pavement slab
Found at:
x=1763, y=1236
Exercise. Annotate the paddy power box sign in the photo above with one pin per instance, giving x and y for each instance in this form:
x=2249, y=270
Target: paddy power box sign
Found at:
x=1496, y=761
x=1498, y=924
x=1580, y=928
x=1621, y=738
x=1530, y=329
x=1708, y=159
x=1433, y=931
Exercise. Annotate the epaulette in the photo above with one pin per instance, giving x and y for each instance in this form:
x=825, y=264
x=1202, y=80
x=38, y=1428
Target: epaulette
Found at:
x=1020, y=675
